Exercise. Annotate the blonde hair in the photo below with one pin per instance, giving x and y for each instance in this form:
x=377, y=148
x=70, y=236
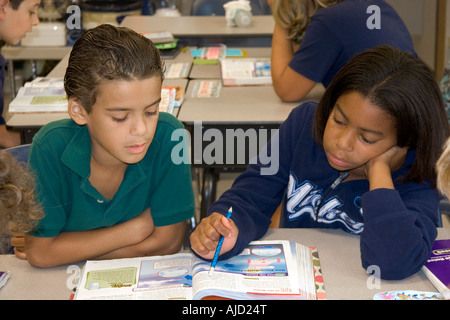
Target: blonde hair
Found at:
x=443, y=171
x=19, y=210
x=295, y=15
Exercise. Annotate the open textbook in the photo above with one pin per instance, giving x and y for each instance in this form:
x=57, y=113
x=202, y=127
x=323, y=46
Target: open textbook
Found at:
x=40, y=95
x=246, y=71
x=264, y=270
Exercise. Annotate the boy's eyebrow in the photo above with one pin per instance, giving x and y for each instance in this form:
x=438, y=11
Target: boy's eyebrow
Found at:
x=128, y=109
x=378, y=133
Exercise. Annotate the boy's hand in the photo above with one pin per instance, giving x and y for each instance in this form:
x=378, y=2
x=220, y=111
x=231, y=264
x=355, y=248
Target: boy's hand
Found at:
x=206, y=236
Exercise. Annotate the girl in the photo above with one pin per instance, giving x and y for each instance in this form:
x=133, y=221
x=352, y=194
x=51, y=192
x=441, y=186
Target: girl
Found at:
x=313, y=39
x=361, y=160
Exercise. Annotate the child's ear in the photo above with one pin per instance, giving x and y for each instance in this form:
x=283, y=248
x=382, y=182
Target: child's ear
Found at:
x=3, y=4
x=77, y=112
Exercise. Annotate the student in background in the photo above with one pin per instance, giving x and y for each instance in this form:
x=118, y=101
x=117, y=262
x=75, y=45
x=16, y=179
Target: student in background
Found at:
x=105, y=177
x=19, y=209
x=215, y=8
x=443, y=171
x=361, y=160
x=443, y=175
x=17, y=17
x=313, y=39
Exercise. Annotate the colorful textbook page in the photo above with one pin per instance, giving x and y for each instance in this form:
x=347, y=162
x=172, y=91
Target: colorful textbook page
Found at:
x=265, y=270
x=407, y=295
x=208, y=55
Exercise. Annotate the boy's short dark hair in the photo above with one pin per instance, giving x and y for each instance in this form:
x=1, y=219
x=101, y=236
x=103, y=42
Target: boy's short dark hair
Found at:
x=15, y=3
x=108, y=53
x=404, y=87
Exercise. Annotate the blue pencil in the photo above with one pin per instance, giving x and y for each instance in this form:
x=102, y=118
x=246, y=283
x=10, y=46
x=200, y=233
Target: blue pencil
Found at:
x=219, y=246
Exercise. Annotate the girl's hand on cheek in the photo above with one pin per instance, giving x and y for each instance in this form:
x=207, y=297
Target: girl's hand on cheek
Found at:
x=379, y=169
x=393, y=158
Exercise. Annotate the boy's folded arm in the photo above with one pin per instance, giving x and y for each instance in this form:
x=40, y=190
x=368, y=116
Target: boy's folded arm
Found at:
x=163, y=240
x=76, y=246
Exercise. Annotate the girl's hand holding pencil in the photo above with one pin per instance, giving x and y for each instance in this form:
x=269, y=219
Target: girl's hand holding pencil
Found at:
x=206, y=236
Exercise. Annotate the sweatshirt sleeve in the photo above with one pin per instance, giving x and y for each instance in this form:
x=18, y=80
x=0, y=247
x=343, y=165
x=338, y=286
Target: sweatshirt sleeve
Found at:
x=256, y=193
x=254, y=198
x=399, y=229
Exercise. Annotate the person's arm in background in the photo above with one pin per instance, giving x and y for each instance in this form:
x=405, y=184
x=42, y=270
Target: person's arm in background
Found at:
x=288, y=84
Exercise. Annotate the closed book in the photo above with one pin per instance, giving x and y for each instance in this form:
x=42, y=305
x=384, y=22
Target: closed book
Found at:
x=437, y=268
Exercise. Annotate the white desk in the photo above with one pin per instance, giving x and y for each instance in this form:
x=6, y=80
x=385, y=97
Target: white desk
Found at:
x=204, y=30
x=12, y=53
x=339, y=255
x=33, y=121
x=34, y=53
x=199, y=26
x=245, y=105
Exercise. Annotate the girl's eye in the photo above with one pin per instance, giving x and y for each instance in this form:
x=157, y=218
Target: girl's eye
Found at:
x=120, y=119
x=338, y=122
x=367, y=140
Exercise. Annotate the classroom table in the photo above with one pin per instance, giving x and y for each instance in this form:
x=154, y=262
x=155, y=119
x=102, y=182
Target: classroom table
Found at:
x=16, y=53
x=339, y=255
x=207, y=30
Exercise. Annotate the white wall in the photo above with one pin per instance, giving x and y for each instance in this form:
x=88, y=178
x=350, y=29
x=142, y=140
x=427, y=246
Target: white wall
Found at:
x=420, y=19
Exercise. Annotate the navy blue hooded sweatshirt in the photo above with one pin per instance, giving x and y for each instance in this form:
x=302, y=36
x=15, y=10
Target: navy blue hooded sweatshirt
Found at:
x=397, y=227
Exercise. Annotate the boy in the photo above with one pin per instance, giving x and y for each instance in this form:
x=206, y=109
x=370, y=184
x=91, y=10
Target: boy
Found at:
x=17, y=17
x=105, y=178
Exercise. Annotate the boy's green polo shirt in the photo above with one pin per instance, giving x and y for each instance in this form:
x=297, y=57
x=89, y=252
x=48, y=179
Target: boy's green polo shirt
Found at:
x=60, y=159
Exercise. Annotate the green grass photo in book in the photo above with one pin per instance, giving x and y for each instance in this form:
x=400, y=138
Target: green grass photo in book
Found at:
x=264, y=270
